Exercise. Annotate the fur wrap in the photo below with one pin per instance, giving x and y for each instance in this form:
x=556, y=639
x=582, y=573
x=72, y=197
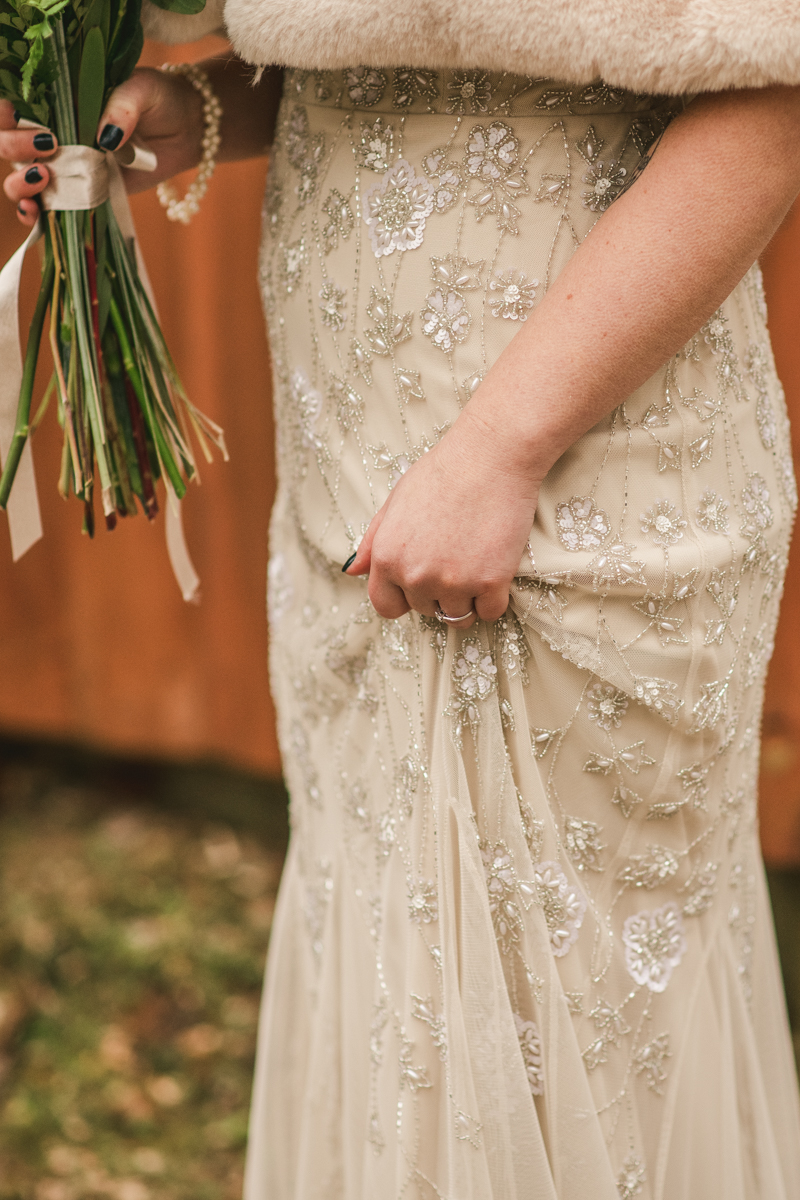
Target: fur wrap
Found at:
x=661, y=46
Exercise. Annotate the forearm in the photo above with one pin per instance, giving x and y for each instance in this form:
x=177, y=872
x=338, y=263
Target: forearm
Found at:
x=654, y=268
x=249, y=111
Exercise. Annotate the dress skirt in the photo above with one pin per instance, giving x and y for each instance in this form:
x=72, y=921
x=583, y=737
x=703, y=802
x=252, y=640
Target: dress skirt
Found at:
x=522, y=948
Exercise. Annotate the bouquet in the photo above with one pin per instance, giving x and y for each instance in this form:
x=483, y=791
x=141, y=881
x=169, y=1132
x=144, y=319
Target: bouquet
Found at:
x=125, y=416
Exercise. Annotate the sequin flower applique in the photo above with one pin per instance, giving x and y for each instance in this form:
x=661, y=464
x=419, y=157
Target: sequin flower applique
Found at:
x=605, y=184
x=339, y=223
x=664, y=522
x=491, y=151
x=580, y=525
x=712, y=513
x=654, y=945
x=582, y=843
x=530, y=1044
x=631, y=1179
x=376, y=150
x=396, y=208
x=308, y=409
x=755, y=500
x=474, y=676
x=564, y=906
x=507, y=895
x=607, y=705
x=468, y=92
x=365, y=86
x=333, y=305
x=445, y=319
x=514, y=295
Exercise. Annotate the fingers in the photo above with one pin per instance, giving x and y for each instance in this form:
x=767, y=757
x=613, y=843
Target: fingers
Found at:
x=491, y=604
x=455, y=602
x=359, y=563
x=27, y=145
x=22, y=186
x=387, y=598
x=125, y=107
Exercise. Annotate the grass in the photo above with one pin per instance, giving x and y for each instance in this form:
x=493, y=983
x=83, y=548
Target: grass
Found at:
x=135, y=906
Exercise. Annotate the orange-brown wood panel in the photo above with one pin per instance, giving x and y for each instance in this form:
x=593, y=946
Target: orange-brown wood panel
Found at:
x=780, y=759
x=95, y=640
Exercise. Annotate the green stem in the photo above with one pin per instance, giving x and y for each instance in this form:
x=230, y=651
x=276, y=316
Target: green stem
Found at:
x=22, y=426
x=56, y=50
x=137, y=384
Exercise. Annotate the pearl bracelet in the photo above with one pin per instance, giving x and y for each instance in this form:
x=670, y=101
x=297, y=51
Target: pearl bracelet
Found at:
x=183, y=210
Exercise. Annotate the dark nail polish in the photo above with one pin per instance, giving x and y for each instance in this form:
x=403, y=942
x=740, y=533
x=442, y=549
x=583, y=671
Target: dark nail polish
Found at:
x=110, y=137
x=43, y=141
x=350, y=560
x=17, y=114
x=33, y=175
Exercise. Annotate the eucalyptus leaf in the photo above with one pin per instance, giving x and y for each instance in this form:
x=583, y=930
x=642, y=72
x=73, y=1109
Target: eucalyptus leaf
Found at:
x=91, y=85
x=122, y=67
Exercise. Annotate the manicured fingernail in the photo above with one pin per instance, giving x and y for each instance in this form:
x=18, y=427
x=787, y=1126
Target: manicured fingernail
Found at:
x=350, y=560
x=16, y=114
x=21, y=209
x=33, y=175
x=110, y=137
x=43, y=141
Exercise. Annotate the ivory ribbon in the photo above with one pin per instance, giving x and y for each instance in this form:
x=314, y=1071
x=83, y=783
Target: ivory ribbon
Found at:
x=80, y=178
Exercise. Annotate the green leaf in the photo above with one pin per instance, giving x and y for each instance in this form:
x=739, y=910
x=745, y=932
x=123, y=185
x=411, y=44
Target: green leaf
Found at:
x=187, y=7
x=91, y=84
x=122, y=67
x=31, y=63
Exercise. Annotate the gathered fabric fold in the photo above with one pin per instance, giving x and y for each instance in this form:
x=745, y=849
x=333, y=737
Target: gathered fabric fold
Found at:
x=81, y=179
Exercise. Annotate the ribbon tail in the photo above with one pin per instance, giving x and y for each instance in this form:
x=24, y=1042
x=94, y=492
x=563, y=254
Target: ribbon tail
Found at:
x=182, y=565
x=24, y=517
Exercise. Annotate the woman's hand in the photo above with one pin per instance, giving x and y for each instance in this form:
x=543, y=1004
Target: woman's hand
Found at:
x=164, y=110
x=453, y=531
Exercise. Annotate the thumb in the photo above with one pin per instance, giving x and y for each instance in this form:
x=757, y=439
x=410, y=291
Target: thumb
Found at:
x=125, y=106
x=361, y=562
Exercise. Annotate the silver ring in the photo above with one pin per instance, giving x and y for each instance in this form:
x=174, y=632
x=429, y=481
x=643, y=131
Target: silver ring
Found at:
x=440, y=616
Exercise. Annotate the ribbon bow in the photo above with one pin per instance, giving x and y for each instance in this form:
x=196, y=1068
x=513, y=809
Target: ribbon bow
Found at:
x=80, y=178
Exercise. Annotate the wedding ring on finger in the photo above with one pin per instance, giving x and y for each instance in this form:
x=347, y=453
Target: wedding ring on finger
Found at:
x=441, y=616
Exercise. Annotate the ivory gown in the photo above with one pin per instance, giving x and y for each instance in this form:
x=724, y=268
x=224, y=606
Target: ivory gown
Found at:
x=522, y=949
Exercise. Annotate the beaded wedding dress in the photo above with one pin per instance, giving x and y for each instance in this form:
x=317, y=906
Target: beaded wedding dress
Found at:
x=522, y=947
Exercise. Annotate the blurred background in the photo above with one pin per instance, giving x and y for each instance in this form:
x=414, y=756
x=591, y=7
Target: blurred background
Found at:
x=142, y=817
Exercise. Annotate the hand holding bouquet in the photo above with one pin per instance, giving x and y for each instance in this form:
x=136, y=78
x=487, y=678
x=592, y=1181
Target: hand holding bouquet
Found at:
x=125, y=417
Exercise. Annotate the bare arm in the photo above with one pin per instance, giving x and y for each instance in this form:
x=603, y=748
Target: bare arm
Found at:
x=655, y=266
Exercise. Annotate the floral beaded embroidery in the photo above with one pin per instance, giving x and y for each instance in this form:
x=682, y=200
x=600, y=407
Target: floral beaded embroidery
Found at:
x=654, y=945
x=375, y=353
x=396, y=209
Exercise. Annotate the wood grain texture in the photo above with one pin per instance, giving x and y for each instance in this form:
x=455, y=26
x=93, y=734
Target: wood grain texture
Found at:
x=96, y=643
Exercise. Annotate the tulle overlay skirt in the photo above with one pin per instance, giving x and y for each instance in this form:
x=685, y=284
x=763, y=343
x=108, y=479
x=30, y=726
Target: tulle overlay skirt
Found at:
x=522, y=947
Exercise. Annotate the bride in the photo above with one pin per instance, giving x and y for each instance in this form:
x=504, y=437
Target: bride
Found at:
x=535, y=496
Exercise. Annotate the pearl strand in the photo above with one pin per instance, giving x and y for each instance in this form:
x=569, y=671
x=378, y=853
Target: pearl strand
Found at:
x=183, y=210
